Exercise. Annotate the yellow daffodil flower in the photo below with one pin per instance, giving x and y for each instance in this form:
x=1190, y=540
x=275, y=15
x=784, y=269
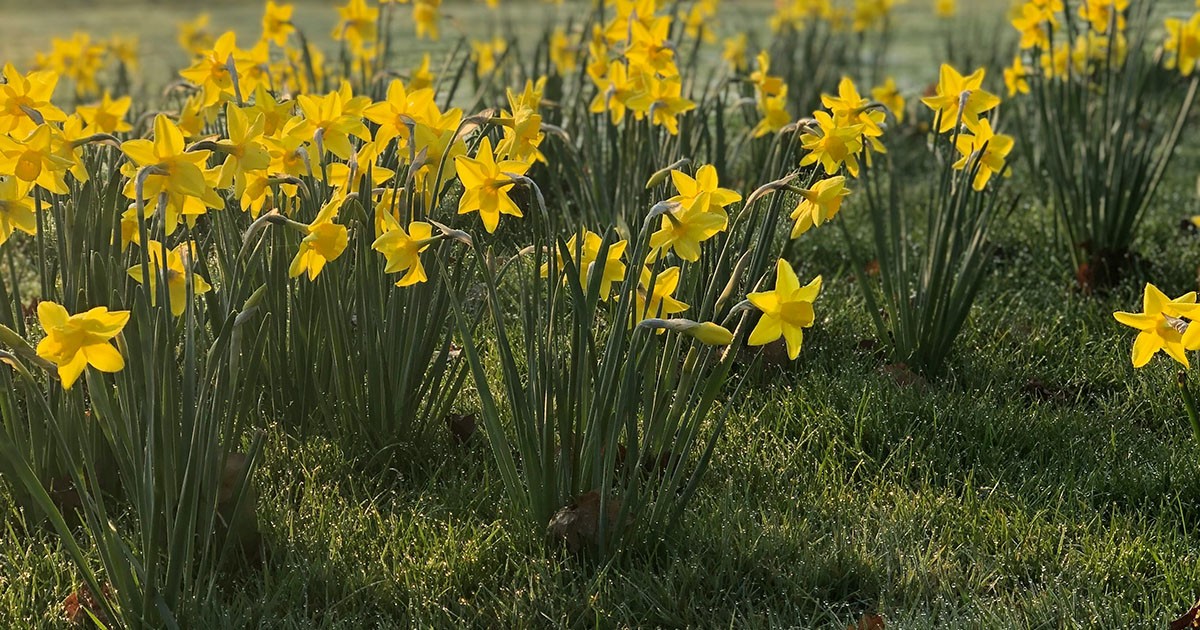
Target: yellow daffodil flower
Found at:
x=950, y=89
x=657, y=300
x=1162, y=326
x=819, y=204
x=176, y=274
x=889, y=96
x=786, y=311
x=1183, y=44
x=486, y=183
x=16, y=208
x=107, y=116
x=832, y=145
x=402, y=248
x=324, y=242
x=22, y=94
x=277, y=23
x=74, y=342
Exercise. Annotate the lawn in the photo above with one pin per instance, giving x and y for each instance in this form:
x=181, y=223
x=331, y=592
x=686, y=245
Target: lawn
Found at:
x=1039, y=480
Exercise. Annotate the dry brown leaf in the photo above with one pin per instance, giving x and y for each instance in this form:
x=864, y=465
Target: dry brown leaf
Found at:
x=462, y=427
x=578, y=524
x=242, y=524
x=903, y=376
x=870, y=621
x=1190, y=619
x=79, y=602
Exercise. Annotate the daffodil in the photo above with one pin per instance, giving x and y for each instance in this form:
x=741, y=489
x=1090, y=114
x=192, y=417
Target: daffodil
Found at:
x=889, y=96
x=107, y=116
x=1015, y=77
x=193, y=35
x=74, y=342
x=426, y=14
x=399, y=112
x=585, y=253
x=277, y=23
x=356, y=24
x=850, y=108
x=1101, y=13
x=178, y=170
x=212, y=71
x=563, y=54
x=775, y=115
x=1183, y=44
x=614, y=89
x=324, y=242
x=333, y=118
x=950, y=90
x=35, y=159
x=661, y=101
x=1035, y=24
x=733, y=52
x=832, y=145
x=786, y=311
x=654, y=296
x=16, y=208
x=486, y=53
x=402, y=248
x=176, y=273
x=421, y=76
x=765, y=85
x=699, y=215
x=25, y=98
x=486, y=183
x=245, y=150
x=1162, y=326
x=992, y=149
x=819, y=204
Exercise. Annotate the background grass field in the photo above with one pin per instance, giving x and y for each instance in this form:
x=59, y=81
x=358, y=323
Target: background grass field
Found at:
x=1041, y=484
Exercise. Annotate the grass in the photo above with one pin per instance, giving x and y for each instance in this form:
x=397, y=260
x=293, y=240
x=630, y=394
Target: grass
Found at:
x=1042, y=483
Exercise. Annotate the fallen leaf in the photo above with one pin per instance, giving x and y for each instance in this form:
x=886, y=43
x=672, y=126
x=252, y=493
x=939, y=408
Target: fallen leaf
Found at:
x=1190, y=619
x=578, y=524
x=239, y=522
x=462, y=427
x=77, y=605
x=870, y=621
x=903, y=376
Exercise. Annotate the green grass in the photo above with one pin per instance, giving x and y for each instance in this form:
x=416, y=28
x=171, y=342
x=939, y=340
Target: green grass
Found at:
x=1042, y=483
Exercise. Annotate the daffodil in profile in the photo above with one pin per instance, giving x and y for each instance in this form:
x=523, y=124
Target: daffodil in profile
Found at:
x=818, y=204
x=16, y=208
x=324, y=242
x=992, y=149
x=1183, y=43
x=277, y=23
x=176, y=273
x=584, y=254
x=402, y=248
x=786, y=311
x=74, y=342
x=486, y=183
x=1162, y=326
x=655, y=294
